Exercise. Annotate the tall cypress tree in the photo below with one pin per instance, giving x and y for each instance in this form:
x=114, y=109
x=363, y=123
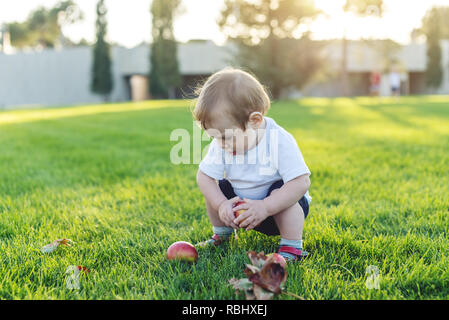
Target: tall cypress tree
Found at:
x=434, y=71
x=102, y=82
x=164, y=74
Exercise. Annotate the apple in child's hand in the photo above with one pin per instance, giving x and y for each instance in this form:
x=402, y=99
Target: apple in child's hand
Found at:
x=182, y=250
x=239, y=212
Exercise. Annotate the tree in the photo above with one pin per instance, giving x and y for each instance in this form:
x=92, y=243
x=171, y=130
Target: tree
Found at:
x=43, y=27
x=361, y=8
x=432, y=28
x=435, y=27
x=440, y=13
x=268, y=41
x=102, y=82
x=164, y=73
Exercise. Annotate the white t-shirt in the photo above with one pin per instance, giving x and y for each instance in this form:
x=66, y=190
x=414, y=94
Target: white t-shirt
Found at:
x=276, y=157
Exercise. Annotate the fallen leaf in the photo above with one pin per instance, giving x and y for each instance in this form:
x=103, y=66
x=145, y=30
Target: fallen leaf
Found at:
x=266, y=277
x=257, y=259
x=83, y=269
x=262, y=294
x=55, y=244
x=250, y=270
x=241, y=284
x=271, y=277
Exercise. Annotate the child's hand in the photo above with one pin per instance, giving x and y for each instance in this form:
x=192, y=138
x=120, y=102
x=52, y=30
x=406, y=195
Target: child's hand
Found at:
x=226, y=213
x=255, y=213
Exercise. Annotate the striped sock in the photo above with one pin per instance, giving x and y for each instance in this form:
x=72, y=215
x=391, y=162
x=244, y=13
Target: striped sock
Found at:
x=223, y=232
x=297, y=244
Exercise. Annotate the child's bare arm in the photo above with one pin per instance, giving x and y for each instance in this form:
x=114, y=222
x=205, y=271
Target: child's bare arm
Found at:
x=210, y=190
x=290, y=193
x=216, y=198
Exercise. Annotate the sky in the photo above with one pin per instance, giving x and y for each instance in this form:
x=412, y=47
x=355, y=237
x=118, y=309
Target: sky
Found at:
x=130, y=20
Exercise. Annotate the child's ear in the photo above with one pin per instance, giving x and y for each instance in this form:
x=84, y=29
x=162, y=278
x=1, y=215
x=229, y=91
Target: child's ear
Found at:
x=255, y=120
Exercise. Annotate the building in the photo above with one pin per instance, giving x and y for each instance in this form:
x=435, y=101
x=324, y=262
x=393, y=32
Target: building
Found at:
x=62, y=76
x=364, y=57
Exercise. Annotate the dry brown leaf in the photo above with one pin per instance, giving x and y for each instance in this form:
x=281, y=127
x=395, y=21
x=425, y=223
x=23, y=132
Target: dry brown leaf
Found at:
x=271, y=277
x=55, y=244
x=257, y=259
x=266, y=277
x=241, y=284
x=250, y=270
x=262, y=294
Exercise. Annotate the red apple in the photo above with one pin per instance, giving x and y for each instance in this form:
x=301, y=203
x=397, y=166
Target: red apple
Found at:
x=182, y=250
x=277, y=258
x=239, y=212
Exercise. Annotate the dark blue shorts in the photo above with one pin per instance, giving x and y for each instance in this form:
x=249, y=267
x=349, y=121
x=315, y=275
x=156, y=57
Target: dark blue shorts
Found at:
x=268, y=226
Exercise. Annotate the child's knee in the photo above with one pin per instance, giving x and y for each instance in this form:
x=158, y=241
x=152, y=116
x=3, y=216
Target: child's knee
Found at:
x=294, y=210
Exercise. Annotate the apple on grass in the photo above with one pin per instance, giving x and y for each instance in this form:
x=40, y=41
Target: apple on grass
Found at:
x=182, y=250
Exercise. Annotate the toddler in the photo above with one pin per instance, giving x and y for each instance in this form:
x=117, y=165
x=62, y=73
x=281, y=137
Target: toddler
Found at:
x=250, y=159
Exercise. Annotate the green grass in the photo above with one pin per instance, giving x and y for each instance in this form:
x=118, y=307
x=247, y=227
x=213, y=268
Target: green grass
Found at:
x=101, y=176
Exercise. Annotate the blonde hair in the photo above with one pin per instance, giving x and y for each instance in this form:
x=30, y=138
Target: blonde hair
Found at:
x=239, y=90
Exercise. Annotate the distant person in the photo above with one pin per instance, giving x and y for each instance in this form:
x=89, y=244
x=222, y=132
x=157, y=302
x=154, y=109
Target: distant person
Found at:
x=395, y=83
x=250, y=159
x=375, y=79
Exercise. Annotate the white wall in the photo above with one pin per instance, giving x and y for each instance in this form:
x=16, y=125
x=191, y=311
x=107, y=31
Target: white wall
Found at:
x=52, y=77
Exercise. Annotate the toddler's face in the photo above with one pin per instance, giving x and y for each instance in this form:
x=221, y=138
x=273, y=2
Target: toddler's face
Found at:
x=235, y=140
x=232, y=138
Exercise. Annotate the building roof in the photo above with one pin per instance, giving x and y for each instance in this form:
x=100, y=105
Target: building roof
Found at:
x=195, y=58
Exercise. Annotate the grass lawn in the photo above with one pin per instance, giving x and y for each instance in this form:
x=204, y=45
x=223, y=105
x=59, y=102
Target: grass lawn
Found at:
x=101, y=176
